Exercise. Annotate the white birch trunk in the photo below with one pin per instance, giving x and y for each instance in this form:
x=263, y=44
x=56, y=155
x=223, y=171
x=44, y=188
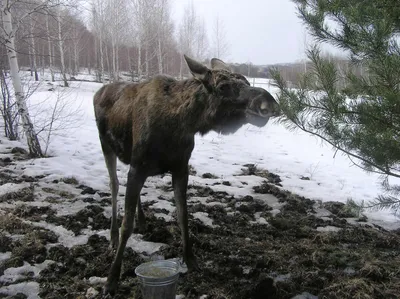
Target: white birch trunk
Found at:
x=146, y=57
x=117, y=62
x=113, y=60
x=160, y=56
x=33, y=45
x=9, y=34
x=76, y=58
x=49, y=45
x=101, y=57
x=61, y=49
x=50, y=52
x=139, y=58
x=108, y=63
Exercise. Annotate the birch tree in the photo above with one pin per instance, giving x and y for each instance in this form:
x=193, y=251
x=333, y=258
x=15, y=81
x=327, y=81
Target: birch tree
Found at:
x=201, y=44
x=33, y=46
x=164, y=30
x=98, y=21
x=49, y=46
x=220, y=43
x=192, y=37
x=9, y=40
x=61, y=47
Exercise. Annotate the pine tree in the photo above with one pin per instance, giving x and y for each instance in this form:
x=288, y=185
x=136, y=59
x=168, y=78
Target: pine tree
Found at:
x=361, y=119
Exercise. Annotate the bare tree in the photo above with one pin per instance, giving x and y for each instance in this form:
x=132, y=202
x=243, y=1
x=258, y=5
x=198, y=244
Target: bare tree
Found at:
x=187, y=35
x=9, y=41
x=164, y=30
x=49, y=46
x=61, y=47
x=8, y=109
x=56, y=114
x=201, y=43
x=98, y=25
x=116, y=24
x=220, y=43
x=77, y=44
x=33, y=46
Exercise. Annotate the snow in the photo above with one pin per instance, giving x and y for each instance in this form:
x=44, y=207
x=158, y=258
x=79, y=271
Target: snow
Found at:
x=328, y=228
x=13, y=274
x=75, y=152
x=288, y=154
x=29, y=288
x=203, y=217
x=11, y=187
x=65, y=237
x=5, y=255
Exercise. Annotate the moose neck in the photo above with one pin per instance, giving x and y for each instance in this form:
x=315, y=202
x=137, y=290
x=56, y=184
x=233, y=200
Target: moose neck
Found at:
x=198, y=106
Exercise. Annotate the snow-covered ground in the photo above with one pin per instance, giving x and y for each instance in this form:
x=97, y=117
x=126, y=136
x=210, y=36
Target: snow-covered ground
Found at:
x=75, y=152
x=290, y=154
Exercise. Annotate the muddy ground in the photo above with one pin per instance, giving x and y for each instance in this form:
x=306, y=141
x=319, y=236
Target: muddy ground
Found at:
x=276, y=254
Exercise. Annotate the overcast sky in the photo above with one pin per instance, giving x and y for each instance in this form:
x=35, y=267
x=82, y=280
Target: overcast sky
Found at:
x=260, y=31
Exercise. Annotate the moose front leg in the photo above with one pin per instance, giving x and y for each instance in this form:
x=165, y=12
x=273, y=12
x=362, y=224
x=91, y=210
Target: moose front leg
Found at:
x=180, y=182
x=135, y=183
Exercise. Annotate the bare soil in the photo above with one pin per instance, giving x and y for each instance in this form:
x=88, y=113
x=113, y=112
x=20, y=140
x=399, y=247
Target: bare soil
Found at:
x=239, y=257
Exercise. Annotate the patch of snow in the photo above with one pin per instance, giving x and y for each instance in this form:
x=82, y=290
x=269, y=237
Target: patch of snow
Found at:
x=5, y=255
x=246, y=270
x=167, y=218
x=12, y=187
x=91, y=293
x=203, y=217
x=136, y=243
x=13, y=274
x=95, y=280
x=349, y=271
x=275, y=212
x=163, y=204
x=259, y=219
x=305, y=295
x=65, y=237
x=282, y=277
x=29, y=288
x=328, y=228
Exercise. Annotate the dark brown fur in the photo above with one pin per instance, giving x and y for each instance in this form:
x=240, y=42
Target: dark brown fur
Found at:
x=151, y=126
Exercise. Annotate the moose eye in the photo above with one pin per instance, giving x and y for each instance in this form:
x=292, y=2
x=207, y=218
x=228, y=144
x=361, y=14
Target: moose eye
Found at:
x=228, y=89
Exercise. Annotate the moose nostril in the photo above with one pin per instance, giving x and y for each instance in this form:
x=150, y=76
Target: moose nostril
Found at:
x=263, y=106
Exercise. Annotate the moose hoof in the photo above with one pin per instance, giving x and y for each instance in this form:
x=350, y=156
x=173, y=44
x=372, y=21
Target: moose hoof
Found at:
x=140, y=226
x=110, y=288
x=114, y=244
x=192, y=264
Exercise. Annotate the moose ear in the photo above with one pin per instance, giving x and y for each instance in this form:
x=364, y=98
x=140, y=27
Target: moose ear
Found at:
x=198, y=70
x=218, y=64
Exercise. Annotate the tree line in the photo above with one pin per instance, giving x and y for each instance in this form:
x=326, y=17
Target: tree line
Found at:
x=137, y=38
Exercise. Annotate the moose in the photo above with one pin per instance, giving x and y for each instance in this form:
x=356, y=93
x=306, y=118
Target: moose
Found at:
x=151, y=127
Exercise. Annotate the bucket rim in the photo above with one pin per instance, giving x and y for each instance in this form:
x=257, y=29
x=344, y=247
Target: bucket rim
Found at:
x=162, y=264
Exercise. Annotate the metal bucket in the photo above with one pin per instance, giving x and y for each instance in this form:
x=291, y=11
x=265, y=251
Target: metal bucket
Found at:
x=158, y=279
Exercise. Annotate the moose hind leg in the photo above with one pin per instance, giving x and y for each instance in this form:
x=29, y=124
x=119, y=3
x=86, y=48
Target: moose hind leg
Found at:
x=141, y=219
x=180, y=182
x=111, y=163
